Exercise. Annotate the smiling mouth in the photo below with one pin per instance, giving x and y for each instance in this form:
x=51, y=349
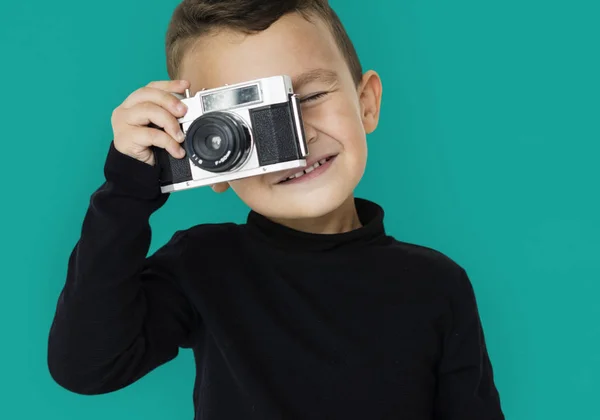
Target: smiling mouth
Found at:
x=314, y=167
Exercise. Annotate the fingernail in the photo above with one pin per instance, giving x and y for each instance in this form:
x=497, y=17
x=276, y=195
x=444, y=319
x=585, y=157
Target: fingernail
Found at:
x=181, y=152
x=181, y=107
x=180, y=137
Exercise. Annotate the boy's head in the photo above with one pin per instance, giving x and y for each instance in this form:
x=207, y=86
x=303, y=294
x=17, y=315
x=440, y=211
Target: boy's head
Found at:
x=211, y=43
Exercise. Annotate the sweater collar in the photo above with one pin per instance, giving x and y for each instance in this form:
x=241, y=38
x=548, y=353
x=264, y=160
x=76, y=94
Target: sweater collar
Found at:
x=372, y=230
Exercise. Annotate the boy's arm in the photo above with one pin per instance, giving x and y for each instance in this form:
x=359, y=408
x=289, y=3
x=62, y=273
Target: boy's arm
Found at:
x=466, y=389
x=120, y=314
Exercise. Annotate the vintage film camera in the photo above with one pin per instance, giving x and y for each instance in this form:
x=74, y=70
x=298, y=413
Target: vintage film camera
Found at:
x=236, y=131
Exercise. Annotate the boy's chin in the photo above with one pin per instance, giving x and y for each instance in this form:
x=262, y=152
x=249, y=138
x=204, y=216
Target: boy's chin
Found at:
x=314, y=204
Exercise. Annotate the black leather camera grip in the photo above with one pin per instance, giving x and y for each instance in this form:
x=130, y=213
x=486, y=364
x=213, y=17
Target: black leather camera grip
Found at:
x=274, y=126
x=172, y=170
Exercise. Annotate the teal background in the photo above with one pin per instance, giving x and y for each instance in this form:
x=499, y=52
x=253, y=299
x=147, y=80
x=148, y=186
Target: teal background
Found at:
x=487, y=151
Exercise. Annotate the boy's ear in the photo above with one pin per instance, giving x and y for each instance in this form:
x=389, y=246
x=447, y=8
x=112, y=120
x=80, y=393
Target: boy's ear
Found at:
x=220, y=187
x=369, y=96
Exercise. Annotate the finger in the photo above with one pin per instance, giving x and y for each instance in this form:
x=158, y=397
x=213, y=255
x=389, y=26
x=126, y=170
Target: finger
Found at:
x=146, y=137
x=148, y=112
x=159, y=97
x=220, y=187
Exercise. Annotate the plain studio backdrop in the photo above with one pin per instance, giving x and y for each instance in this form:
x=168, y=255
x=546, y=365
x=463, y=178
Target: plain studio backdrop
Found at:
x=487, y=150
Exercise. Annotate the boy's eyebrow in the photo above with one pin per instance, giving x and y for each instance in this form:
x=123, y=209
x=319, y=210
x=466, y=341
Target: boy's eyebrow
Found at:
x=321, y=75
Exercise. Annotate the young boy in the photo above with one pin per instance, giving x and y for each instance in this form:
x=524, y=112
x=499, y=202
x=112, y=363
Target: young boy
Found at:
x=307, y=311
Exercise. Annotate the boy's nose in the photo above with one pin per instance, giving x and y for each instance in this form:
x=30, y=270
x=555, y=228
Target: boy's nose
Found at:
x=310, y=133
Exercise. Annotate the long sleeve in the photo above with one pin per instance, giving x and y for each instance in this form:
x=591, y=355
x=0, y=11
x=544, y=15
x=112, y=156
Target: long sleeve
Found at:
x=121, y=313
x=466, y=389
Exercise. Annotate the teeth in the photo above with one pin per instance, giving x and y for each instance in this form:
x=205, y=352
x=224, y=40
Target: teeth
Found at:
x=307, y=170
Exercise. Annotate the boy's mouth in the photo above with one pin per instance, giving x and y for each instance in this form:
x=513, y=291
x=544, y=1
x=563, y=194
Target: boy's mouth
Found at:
x=313, y=171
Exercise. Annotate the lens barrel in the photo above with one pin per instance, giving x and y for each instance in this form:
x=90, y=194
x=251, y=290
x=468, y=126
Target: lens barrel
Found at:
x=217, y=141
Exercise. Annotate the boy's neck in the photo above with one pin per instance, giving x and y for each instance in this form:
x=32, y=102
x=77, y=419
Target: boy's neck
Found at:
x=343, y=219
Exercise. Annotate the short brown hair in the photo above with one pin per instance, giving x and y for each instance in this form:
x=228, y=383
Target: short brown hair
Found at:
x=194, y=18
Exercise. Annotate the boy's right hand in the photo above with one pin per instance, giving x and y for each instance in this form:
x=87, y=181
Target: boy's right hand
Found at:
x=152, y=104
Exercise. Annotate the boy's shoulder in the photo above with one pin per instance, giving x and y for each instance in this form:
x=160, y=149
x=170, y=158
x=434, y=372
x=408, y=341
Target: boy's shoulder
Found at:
x=426, y=263
x=211, y=234
x=423, y=254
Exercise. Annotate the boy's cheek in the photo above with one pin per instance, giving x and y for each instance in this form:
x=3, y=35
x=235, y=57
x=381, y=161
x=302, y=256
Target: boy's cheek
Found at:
x=332, y=117
x=248, y=188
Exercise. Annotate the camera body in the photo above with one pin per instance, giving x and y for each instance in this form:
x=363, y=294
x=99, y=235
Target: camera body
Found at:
x=236, y=131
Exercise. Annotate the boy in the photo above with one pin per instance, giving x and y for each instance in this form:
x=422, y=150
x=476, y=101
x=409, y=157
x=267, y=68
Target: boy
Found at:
x=307, y=311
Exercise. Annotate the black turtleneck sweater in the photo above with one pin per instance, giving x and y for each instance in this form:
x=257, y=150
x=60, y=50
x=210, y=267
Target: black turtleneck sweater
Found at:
x=283, y=324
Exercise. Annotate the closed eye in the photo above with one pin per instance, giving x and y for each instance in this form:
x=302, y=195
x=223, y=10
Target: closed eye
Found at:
x=314, y=97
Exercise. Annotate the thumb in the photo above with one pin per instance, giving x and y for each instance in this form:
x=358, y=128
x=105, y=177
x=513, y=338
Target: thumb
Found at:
x=220, y=187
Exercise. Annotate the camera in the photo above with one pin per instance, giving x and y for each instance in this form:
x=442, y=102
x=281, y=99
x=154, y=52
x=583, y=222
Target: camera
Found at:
x=236, y=131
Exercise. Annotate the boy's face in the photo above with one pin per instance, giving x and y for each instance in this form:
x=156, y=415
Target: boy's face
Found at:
x=336, y=122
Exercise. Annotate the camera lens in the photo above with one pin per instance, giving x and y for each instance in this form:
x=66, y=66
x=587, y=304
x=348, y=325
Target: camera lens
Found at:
x=218, y=141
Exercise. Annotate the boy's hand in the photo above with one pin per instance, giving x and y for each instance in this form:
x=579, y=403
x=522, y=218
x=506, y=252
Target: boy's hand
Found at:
x=150, y=104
